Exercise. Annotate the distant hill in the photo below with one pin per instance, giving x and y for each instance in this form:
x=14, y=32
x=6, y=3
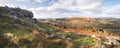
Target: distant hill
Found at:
x=110, y=25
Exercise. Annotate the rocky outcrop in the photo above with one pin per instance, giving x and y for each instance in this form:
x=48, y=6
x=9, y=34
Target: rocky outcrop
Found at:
x=17, y=12
x=19, y=16
x=18, y=28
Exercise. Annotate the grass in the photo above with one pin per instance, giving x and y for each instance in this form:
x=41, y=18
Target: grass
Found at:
x=78, y=41
x=81, y=41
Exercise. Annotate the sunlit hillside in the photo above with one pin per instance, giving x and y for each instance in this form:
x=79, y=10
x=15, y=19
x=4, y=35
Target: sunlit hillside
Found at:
x=59, y=23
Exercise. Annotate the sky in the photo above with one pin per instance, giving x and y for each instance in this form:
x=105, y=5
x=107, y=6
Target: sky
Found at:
x=67, y=8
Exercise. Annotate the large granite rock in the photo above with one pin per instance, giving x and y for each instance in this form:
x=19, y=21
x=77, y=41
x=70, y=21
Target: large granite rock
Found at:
x=17, y=12
x=19, y=16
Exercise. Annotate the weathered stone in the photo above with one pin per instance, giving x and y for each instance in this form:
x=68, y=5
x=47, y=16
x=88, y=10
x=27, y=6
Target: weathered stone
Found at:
x=53, y=36
x=20, y=16
x=17, y=12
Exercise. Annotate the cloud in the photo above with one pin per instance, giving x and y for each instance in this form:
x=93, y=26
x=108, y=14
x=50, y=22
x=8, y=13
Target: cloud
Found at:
x=64, y=8
x=14, y=3
x=4, y=3
x=84, y=6
x=114, y=10
x=92, y=6
x=10, y=5
x=39, y=1
x=24, y=0
x=43, y=12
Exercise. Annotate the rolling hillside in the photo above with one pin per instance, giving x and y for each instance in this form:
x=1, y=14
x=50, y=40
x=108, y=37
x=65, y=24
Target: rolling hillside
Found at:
x=18, y=29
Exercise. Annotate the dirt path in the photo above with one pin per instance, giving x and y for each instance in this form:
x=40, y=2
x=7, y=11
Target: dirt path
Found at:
x=81, y=32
